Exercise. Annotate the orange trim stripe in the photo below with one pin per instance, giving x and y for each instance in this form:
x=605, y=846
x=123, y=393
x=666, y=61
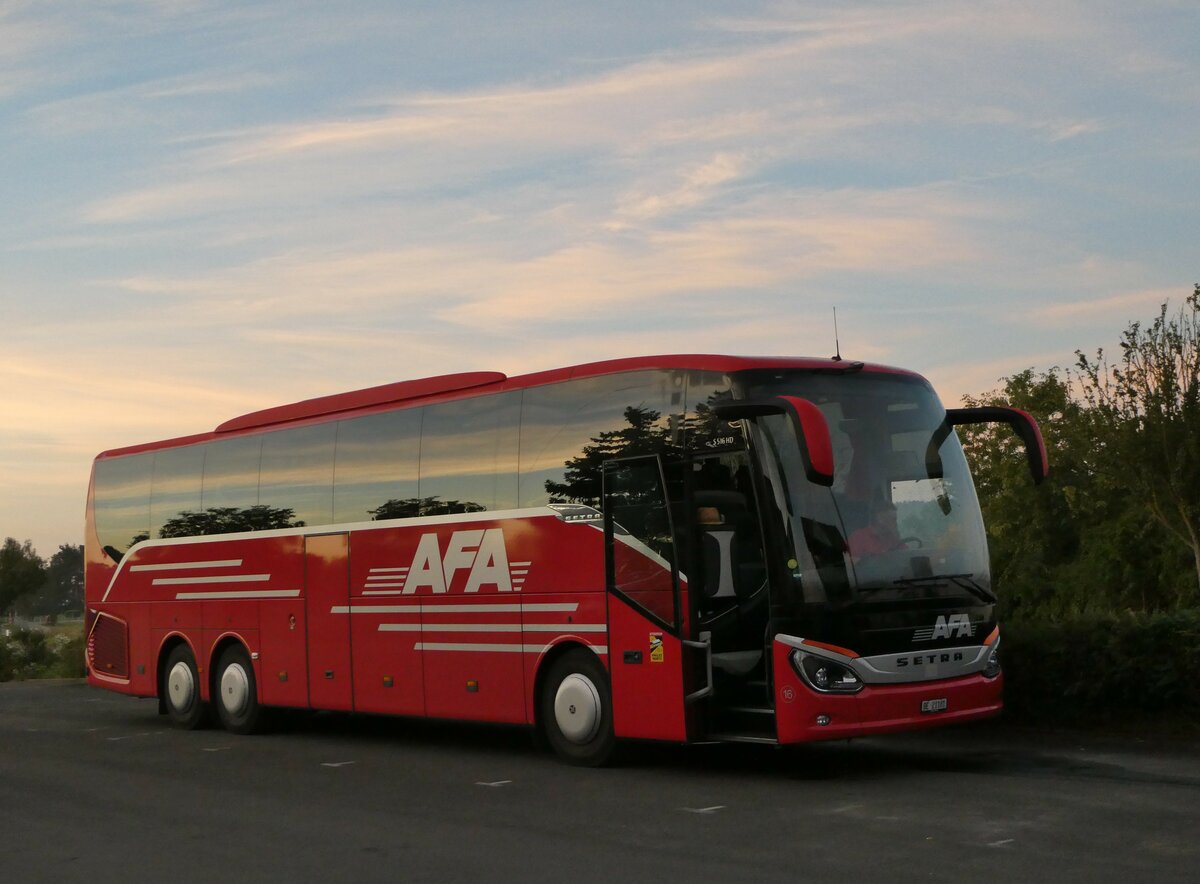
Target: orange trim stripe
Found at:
x=845, y=652
x=991, y=638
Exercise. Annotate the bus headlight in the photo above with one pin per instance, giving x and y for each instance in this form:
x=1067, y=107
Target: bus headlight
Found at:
x=825, y=676
x=992, y=669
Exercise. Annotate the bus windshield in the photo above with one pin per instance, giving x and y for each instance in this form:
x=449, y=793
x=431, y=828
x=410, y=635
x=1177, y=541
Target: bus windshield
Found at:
x=901, y=521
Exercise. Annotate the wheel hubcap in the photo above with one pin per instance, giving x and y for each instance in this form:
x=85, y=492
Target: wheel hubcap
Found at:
x=577, y=709
x=235, y=689
x=181, y=686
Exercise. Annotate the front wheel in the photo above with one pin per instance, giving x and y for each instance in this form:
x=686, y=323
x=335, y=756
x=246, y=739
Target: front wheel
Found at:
x=237, y=692
x=576, y=709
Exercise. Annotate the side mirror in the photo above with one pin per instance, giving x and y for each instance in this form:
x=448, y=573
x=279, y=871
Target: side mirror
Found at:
x=1021, y=421
x=812, y=430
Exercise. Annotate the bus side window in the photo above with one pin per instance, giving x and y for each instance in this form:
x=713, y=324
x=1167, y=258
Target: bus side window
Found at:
x=469, y=455
x=122, y=502
x=375, y=467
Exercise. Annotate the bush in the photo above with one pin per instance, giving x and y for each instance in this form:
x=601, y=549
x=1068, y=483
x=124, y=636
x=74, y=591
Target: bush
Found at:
x=29, y=653
x=1103, y=669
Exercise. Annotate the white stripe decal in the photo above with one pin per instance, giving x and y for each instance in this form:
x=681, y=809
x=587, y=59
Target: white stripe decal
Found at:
x=459, y=646
x=388, y=570
x=240, y=594
x=450, y=627
x=184, y=566
x=565, y=627
x=189, y=581
x=416, y=607
x=382, y=592
x=467, y=646
x=379, y=584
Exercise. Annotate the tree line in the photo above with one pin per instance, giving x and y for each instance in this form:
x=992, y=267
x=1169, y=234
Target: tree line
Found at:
x=1116, y=526
x=35, y=587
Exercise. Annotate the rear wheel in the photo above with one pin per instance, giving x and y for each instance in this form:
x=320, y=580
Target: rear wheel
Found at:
x=180, y=689
x=237, y=692
x=576, y=709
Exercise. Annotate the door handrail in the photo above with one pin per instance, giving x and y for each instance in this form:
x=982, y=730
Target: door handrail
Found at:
x=705, y=644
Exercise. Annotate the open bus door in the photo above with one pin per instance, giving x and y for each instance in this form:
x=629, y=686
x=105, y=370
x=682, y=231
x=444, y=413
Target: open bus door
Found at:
x=649, y=651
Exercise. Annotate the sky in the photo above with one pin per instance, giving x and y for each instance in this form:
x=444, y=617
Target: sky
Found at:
x=207, y=208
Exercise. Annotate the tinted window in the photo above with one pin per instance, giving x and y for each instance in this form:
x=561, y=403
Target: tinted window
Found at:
x=705, y=431
x=469, y=455
x=643, y=549
x=296, y=477
x=176, y=492
x=122, y=502
x=376, y=471
x=229, y=498
x=569, y=429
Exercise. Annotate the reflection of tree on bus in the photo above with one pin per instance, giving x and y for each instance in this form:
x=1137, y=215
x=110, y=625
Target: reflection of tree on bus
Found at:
x=645, y=434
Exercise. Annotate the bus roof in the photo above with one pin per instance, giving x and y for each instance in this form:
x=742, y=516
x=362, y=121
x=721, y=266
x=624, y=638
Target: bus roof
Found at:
x=465, y=384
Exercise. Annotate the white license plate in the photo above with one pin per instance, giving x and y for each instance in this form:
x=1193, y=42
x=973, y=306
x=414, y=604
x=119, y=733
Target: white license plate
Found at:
x=938, y=705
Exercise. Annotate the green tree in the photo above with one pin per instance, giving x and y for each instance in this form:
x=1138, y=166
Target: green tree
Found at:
x=1033, y=532
x=63, y=589
x=22, y=571
x=1146, y=406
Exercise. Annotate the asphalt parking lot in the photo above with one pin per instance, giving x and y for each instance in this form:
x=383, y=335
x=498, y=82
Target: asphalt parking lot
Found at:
x=98, y=787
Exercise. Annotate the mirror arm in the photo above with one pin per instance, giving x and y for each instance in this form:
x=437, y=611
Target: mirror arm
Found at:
x=1022, y=422
x=809, y=424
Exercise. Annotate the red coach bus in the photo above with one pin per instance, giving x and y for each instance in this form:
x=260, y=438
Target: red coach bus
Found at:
x=677, y=548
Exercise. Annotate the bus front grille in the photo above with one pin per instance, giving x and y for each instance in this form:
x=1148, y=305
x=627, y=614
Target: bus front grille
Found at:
x=108, y=647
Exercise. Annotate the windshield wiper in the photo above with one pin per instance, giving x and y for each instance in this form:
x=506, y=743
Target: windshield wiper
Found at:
x=964, y=581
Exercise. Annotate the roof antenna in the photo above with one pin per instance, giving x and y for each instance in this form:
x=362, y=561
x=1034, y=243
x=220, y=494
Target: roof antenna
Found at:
x=837, y=356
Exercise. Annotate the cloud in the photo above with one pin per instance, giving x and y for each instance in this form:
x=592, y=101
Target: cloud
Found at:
x=808, y=89
x=168, y=105
x=974, y=377
x=539, y=269
x=696, y=186
x=1143, y=302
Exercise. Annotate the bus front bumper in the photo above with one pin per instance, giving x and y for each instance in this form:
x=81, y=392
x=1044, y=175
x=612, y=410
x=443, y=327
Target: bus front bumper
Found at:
x=804, y=715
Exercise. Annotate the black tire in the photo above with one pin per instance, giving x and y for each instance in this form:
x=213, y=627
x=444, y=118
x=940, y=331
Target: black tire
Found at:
x=575, y=709
x=180, y=690
x=235, y=692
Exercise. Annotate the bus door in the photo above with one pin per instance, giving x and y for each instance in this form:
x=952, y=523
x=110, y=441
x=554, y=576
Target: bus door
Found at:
x=326, y=601
x=729, y=577
x=648, y=651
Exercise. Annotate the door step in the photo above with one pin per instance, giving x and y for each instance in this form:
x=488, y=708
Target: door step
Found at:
x=749, y=710
x=743, y=738
x=744, y=723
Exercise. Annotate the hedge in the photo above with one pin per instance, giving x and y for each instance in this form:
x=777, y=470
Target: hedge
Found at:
x=1103, y=669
